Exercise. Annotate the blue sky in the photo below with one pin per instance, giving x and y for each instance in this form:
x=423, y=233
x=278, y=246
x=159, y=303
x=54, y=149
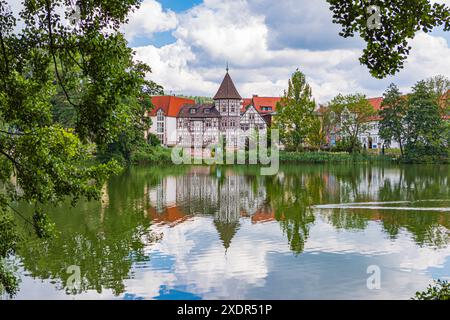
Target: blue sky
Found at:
x=179, y=5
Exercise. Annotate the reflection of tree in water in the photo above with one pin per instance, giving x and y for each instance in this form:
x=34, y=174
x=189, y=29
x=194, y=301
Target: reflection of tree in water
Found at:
x=226, y=231
x=104, y=240
x=409, y=183
x=427, y=228
x=348, y=219
x=418, y=183
x=291, y=197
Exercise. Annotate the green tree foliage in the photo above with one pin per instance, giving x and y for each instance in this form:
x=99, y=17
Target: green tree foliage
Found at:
x=388, y=46
x=320, y=129
x=439, y=291
x=352, y=115
x=200, y=99
x=132, y=138
x=424, y=125
x=295, y=112
x=440, y=86
x=392, y=113
x=84, y=65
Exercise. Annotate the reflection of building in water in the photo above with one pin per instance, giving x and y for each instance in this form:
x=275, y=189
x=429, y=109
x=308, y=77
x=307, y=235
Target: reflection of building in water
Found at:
x=201, y=192
x=164, y=195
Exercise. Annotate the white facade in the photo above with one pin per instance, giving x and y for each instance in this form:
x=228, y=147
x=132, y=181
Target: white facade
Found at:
x=371, y=138
x=165, y=128
x=252, y=120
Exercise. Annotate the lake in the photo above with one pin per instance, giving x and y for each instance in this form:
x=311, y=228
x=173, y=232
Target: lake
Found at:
x=309, y=232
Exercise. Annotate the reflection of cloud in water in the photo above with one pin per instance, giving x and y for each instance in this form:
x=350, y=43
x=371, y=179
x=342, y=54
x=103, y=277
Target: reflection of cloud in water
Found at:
x=259, y=263
x=215, y=246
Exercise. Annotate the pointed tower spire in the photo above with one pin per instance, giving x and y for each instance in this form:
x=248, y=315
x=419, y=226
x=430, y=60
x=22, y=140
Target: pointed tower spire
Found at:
x=227, y=90
x=227, y=67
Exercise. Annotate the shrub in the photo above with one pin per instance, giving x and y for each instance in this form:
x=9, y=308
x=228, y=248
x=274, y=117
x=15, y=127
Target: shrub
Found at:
x=149, y=154
x=440, y=290
x=153, y=140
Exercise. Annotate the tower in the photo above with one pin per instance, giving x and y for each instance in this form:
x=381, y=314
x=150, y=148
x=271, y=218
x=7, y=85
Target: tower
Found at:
x=228, y=102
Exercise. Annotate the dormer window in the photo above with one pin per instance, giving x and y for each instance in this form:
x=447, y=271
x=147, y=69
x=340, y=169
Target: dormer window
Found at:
x=193, y=111
x=207, y=110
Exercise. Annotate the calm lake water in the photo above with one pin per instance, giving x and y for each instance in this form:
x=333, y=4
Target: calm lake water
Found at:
x=310, y=232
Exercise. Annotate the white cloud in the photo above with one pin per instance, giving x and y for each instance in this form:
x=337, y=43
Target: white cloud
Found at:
x=150, y=18
x=262, y=58
x=225, y=31
x=170, y=68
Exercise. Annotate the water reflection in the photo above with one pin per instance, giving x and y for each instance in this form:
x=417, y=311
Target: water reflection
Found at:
x=224, y=232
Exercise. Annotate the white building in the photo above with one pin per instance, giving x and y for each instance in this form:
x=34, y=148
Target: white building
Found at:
x=181, y=121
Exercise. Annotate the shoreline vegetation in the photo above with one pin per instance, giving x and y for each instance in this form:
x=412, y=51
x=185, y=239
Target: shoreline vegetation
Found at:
x=162, y=155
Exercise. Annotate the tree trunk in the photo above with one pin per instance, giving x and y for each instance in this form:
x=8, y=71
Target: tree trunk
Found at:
x=401, y=147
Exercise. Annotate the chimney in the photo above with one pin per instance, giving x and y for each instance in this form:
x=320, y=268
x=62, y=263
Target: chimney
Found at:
x=255, y=96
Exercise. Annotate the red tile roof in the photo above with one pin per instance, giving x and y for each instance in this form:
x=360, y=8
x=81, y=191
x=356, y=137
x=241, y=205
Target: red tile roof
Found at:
x=170, y=216
x=376, y=103
x=169, y=104
x=246, y=102
x=260, y=102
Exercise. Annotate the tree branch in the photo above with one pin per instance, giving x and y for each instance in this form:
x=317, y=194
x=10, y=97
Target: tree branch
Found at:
x=5, y=57
x=52, y=51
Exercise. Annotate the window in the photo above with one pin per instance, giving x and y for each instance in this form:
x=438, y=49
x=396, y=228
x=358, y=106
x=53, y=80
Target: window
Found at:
x=160, y=115
x=207, y=111
x=251, y=116
x=224, y=109
x=192, y=111
x=233, y=109
x=266, y=108
x=160, y=125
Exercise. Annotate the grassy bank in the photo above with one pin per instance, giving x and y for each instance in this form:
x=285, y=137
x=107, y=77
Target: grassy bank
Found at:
x=152, y=155
x=161, y=155
x=334, y=157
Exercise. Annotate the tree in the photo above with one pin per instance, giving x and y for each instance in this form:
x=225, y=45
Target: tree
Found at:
x=392, y=113
x=352, y=115
x=295, y=112
x=424, y=125
x=387, y=28
x=320, y=129
x=132, y=138
x=439, y=290
x=440, y=86
x=88, y=63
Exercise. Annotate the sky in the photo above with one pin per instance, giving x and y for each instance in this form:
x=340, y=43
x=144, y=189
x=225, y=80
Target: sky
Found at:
x=188, y=44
